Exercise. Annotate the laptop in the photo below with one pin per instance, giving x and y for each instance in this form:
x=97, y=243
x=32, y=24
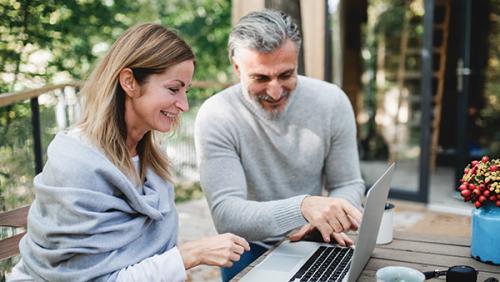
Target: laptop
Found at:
x=314, y=261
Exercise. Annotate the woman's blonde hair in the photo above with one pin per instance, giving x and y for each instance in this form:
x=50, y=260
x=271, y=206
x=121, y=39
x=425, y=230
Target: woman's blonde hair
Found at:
x=146, y=49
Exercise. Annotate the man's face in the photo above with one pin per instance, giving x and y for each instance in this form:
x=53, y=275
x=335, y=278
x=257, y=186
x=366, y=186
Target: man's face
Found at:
x=269, y=78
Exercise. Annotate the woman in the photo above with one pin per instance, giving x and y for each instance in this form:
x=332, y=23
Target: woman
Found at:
x=104, y=209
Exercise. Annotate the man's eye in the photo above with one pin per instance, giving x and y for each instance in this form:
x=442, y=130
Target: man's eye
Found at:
x=285, y=76
x=261, y=79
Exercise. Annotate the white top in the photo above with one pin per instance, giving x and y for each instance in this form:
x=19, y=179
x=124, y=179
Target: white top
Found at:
x=165, y=267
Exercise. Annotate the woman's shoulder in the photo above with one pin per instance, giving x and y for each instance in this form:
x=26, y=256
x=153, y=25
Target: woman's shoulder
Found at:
x=71, y=148
x=72, y=161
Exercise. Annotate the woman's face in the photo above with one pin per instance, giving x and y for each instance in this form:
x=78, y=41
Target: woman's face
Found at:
x=161, y=101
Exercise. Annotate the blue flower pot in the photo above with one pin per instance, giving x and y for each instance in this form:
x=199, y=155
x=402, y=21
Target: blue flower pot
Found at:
x=485, y=242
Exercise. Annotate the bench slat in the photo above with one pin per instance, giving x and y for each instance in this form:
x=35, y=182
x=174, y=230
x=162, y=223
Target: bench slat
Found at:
x=10, y=247
x=15, y=218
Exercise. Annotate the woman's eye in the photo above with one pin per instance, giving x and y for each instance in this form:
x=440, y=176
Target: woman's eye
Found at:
x=174, y=90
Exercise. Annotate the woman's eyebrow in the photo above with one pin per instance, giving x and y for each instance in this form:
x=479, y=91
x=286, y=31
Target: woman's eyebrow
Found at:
x=181, y=82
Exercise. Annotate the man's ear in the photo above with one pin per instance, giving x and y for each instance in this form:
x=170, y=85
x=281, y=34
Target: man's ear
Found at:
x=236, y=67
x=128, y=83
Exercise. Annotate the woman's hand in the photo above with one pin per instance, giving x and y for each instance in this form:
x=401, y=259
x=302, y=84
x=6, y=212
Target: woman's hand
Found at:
x=221, y=250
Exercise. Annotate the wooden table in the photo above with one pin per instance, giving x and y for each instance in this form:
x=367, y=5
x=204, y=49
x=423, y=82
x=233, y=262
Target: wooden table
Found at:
x=422, y=252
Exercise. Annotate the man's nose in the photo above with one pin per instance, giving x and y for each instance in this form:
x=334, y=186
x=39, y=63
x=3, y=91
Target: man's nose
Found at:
x=274, y=89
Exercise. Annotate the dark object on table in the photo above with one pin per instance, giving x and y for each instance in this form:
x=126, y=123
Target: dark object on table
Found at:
x=457, y=273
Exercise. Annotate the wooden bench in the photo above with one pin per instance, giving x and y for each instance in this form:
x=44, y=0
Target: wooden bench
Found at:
x=9, y=246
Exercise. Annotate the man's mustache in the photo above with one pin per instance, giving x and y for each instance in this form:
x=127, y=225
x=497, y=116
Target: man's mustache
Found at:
x=268, y=98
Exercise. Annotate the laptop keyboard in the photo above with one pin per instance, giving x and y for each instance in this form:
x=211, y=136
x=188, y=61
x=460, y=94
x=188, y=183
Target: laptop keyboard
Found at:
x=326, y=264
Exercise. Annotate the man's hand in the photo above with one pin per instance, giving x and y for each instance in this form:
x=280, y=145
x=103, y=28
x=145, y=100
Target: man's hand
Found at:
x=299, y=234
x=330, y=215
x=341, y=238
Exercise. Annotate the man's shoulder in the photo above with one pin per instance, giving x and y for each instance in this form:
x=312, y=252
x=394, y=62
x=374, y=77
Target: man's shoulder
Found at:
x=321, y=92
x=221, y=107
x=314, y=82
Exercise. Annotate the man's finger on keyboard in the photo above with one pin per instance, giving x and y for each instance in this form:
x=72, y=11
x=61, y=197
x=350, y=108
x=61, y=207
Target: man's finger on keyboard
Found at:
x=354, y=224
x=326, y=231
x=335, y=224
x=353, y=213
x=342, y=239
x=345, y=222
x=299, y=234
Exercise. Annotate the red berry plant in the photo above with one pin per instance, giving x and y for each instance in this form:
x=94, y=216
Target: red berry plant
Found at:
x=481, y=182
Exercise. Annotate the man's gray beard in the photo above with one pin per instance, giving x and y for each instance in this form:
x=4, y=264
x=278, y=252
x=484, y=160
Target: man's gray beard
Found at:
x=273, y=114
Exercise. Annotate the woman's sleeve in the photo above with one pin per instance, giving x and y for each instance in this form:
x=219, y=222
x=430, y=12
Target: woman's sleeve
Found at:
x=165, y=267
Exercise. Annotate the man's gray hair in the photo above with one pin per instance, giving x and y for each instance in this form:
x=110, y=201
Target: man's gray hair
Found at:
x=263, y=31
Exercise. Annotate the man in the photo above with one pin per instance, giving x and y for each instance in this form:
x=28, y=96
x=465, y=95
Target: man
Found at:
x=268, y=146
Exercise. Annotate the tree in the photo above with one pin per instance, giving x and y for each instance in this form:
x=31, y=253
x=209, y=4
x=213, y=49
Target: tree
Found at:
x=205, y=25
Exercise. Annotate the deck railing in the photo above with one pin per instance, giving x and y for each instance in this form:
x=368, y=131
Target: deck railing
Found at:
x=16, y=97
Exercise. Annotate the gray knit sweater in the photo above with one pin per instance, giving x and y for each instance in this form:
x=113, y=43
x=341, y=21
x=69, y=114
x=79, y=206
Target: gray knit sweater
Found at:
x=256, y=170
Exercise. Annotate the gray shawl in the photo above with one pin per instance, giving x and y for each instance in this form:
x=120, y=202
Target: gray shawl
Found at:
x=88, y=220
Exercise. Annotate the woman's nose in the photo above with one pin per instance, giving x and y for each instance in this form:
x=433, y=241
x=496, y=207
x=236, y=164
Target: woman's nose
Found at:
x=182, y=103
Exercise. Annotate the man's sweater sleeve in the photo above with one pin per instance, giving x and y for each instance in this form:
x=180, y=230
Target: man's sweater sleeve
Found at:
x=223, y=180
x=343, y=175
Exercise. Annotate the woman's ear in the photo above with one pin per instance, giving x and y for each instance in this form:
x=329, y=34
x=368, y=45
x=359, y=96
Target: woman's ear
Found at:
x=128, y=83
